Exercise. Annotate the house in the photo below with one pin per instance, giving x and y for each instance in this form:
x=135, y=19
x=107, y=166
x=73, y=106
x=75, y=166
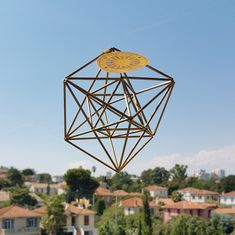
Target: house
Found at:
x=188, y=208
x=16, y=220
x=4, y=197
x=78, y=220
x=131, y=206
x=227, y=212
x=157, y=205
x=198, y=195
x=228, y=198
x=57, y=178
x=120, y=193
x=104, y=194
x=51, y=189
x=157, y=191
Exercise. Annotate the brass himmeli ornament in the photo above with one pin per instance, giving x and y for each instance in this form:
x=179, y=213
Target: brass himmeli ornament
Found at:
x=112, y=116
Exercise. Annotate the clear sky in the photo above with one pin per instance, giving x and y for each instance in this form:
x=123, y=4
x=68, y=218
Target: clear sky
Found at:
x=43, y=41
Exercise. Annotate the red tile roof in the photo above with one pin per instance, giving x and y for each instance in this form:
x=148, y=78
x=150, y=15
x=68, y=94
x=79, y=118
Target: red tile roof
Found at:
x=230, y=194
x=103, y=192
x=120, y=193
x=70, y=209
x=225, y=211
x=40, y=210
x=155, y=187
x=78, y=211
x=190, y=205
x=198, y=191
x=16, y=212
x=132, y=202
x=164, y=201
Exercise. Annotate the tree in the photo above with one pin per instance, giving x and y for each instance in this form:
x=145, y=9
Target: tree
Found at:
x=121, y=180
x=100, y=206
x=158, y=175
x=15, y=177
x=146, y=177
x=177, y=196
x=80, y=182
x=44, y=178
x=147, y=215
x=21, y=197
x=54, y=219
x=186, y=225
x=227, y=184
x=4, y=183
x=28, y=171
x=113, y=222
x=179, y=173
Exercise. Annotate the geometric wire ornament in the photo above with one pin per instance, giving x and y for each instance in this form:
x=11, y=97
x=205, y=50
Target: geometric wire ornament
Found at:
x=112, y=116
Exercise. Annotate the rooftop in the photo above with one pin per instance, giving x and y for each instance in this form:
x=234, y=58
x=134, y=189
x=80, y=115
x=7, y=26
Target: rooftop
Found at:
x=155, y=187
x=198, y=191
x=230, y=194
x=16, y=212
x=190, y=205
x=225, y=211
x=132, y=202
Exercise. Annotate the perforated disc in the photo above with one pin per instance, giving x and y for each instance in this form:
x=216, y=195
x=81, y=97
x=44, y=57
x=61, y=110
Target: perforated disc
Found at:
x=121, y=62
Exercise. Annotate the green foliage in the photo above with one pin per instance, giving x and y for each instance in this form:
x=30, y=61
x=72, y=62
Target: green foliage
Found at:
x=122, y=181
x=185, y=225
x=193, y=225
x=147, y=215
x=100, y=206
x=21, y=197
x=28, y=171
x=158, y=175
x=179, y=173
x=44, y=178
x=80, y=183
x=177, y=196
x=4, y=183
x=15, y=177
x=219, y=225
x=112, y=222
x=54, y=218
x=227, y=184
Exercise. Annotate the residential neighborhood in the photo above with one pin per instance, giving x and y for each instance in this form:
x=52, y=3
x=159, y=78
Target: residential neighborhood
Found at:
x=81, y=211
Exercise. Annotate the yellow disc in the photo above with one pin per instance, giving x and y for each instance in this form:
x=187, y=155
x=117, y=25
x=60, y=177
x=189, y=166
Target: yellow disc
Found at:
x=121, y=62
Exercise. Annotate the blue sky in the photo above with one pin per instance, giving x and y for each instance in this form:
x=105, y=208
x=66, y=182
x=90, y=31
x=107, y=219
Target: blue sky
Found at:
x=43, y=41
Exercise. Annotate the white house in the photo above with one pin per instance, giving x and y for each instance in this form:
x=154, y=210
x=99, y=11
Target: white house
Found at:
x=198, y=195
x=51, y=189
x=131, y=206
x=228, y=198
x=157, y=191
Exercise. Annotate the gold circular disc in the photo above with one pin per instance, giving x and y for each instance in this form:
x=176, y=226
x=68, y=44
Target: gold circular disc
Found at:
x=121, y=62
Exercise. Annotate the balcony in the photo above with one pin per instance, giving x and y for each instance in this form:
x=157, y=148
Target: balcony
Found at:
x=21, y=231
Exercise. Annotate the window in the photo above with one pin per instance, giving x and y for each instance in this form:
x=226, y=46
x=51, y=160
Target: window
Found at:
x=88, y=233
x=32, y=222
x=231, y=199
x=73, y=222
x=200, y=197
x=8, y=224
x=86, y=220
x=193, y=197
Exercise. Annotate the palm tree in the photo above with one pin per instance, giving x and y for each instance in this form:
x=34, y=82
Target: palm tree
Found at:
x=54, y=218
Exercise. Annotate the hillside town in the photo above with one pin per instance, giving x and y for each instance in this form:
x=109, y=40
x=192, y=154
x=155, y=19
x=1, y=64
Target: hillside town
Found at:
x=79, y=203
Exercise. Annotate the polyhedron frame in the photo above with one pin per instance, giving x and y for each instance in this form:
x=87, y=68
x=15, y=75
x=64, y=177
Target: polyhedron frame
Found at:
x=101, y=104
